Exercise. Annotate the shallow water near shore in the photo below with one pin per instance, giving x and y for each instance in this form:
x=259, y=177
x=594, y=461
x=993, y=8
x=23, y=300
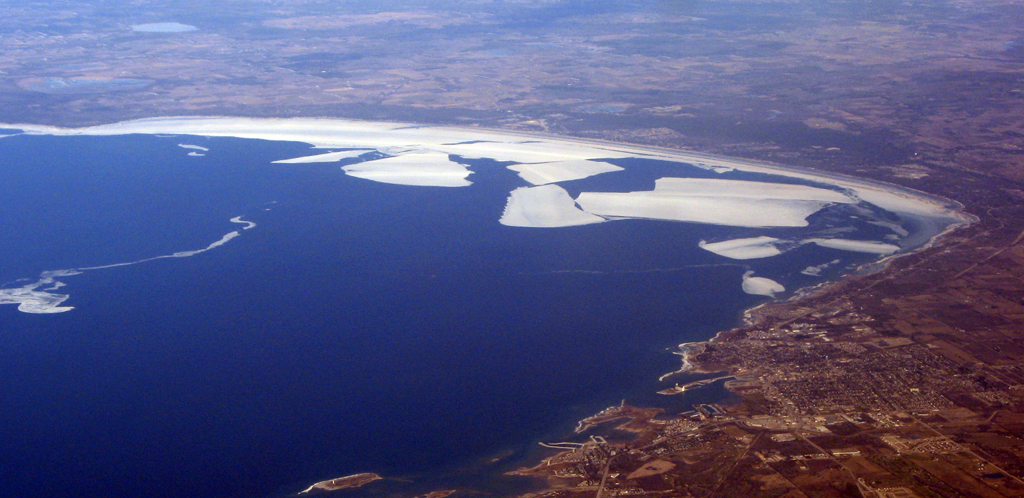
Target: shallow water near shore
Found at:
x=357, y=327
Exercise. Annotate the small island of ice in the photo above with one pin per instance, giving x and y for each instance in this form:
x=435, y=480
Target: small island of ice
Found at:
x=760, y=286
x=866, y=246
x=752, y=248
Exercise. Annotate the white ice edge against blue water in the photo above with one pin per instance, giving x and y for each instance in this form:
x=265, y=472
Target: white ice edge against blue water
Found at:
x=562, y=171
x=760, y=286
x=31, y=299
x=422, y=156
x=329, y=157
x=766, y=247
x=547, y=206
x=477, y=143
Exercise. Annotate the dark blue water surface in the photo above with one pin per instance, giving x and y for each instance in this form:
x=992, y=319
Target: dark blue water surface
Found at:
x=360, y=327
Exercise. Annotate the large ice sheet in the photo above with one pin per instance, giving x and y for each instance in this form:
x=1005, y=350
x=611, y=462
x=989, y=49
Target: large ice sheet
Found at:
x=891, y=198
x=866, y=246
x=714, y=201
x=430, y=169
x=546, y=206
x=712, y=187
x=329, y=157
x=751, y=248
x=502, y=146
x=562, y=171
x=421, y=157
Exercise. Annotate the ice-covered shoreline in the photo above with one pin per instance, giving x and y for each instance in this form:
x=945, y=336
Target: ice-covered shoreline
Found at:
x=429, y=156
x=520, y=148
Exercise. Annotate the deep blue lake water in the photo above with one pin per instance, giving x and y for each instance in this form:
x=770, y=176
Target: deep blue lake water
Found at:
x=359, y=327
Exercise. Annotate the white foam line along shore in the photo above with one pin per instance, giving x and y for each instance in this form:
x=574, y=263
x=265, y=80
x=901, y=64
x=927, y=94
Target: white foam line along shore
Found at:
x=30, y=299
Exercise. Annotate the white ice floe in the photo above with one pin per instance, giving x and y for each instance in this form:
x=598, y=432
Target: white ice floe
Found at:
x=193, y=147
x=717, y=202
x=816, y=270
x=897, y=229
x=32, y=300
x=760, y=286
x=196, y=154
x=562, y=171
x=329, y=157
x=429, y=169
x=866, y=246
x=239, y=220
x=545, y=206
x=188, y=254
x=752, y=248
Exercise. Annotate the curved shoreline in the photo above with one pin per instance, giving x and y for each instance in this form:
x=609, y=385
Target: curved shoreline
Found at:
x=303, y=130
x=681, y=153
x=946, y=211
x=687, y=350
